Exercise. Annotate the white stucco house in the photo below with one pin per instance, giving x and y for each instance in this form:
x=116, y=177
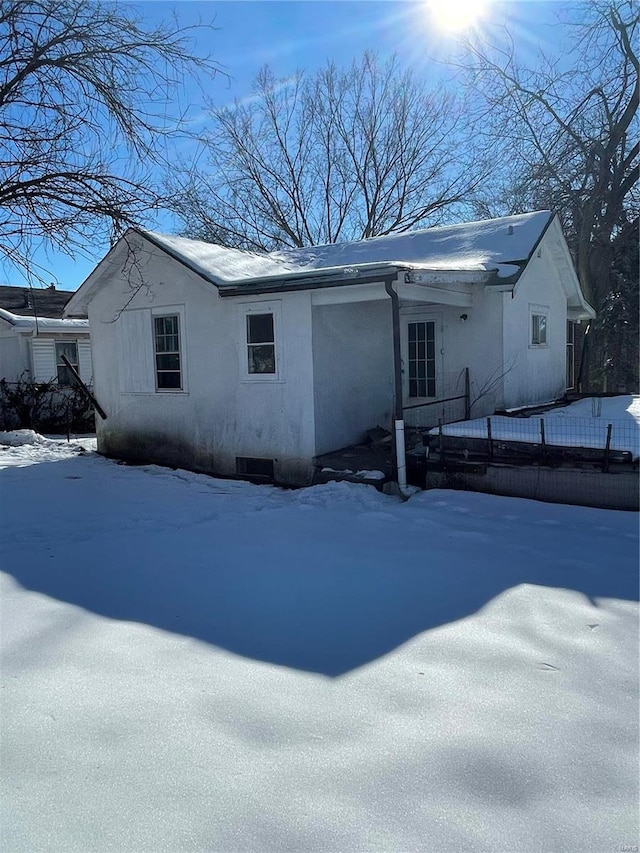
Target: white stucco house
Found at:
x=34, y=336
x=239, y=363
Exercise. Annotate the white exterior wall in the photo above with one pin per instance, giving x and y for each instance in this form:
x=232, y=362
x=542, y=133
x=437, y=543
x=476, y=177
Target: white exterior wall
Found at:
x=221, y=413
x=23, y=355
x=15, y=361
x=44, y=366
x=352, y=371
x=535, y=374
x=475, y=343
x=506, y=370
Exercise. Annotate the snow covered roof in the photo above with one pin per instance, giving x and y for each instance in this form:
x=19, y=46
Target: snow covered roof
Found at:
x=491, y=252
x=501, y=246
x=48, y=324
x=219, y=263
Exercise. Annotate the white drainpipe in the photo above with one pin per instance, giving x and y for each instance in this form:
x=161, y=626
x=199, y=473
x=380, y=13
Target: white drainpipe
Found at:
x=398, y=422
x=401, y=460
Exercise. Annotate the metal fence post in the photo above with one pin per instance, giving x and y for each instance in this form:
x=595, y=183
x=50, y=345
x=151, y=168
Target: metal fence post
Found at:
x=467, y=395
x=607, y=448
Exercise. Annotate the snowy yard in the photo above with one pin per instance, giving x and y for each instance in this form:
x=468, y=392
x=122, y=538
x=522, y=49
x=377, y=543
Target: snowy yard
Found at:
x=580, y=424
x=192, y=664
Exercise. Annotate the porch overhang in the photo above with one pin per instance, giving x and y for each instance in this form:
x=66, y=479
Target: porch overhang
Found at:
x=442, y=287
x=366, y=283
x=438, y=295
x=407, y=292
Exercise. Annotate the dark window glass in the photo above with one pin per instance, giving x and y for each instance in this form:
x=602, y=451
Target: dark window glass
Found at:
x=422, y=359
x=538, y=329
x=571, y=378
x=167, y=352
x=260, y=328
x=261, y=347
x=70, y=349
x=260, y=469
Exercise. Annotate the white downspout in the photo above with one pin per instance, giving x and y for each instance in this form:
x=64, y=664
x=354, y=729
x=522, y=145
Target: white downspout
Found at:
x=398, y=422
x=401, y=459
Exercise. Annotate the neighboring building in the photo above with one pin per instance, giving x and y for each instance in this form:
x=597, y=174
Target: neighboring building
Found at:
x=34, y=336
x=233, y=362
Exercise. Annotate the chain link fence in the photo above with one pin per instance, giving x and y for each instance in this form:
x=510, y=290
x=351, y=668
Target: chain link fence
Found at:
x=581, y=460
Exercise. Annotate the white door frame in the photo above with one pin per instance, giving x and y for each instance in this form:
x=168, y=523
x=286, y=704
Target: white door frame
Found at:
x=421, y=314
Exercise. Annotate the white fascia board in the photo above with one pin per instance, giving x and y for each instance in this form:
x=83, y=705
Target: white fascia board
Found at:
x=110, y=266
x=439, y=295
x=461, y=298
x=574, y=313
x=445, y=287
x=577, y=306
x=449, y=278
x=349, y=293
x=499, y=288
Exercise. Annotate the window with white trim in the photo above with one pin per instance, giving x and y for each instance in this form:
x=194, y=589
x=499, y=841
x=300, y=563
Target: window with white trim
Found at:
x=260, y=341
x=538, y=330
x=571, y=364
x=261, y=344
x=70, y=350
x=166, y=340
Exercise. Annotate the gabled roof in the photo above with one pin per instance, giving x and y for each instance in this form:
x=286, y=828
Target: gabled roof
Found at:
x=491, y=252
x=502, y=246
x=34, y=301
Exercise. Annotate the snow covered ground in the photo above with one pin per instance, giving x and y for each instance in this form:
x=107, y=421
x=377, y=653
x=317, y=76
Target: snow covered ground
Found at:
x=192, y=664
x=580, y=424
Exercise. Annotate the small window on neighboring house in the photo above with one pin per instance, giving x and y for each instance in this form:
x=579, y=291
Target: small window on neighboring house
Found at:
x=70, y=350
x=539, y=329
x=571, y=365
x=261, y=344
x=167, y=352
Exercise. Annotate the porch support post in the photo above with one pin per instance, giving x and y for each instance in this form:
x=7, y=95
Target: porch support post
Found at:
x=398, y=420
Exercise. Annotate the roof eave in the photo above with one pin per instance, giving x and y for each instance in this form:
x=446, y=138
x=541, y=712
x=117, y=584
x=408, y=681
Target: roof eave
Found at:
x=584, y=311
x=497, y=283
x=312, y=280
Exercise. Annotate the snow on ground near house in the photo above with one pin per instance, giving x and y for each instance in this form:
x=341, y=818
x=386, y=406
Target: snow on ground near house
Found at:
x=580, y=424
x=192, y=664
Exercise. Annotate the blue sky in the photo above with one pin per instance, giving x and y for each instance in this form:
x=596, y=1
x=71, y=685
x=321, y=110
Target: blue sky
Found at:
x=302, y=35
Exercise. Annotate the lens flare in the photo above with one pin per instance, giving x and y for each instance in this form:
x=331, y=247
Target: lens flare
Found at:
x=456, y=15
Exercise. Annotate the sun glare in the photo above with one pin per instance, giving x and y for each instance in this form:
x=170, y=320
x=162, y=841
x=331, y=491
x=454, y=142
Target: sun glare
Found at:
x=455, y=15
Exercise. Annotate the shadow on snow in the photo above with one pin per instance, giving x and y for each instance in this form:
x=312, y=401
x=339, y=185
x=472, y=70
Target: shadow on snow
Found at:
x=324, y=590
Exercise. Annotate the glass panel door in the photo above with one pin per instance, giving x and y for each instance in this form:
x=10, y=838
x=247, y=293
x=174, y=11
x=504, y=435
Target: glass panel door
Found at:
x=421, y=358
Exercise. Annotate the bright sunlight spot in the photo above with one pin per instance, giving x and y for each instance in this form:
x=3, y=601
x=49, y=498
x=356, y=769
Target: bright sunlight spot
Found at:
x=455, y=15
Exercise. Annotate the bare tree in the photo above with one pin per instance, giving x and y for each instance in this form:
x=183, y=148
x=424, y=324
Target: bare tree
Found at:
x=85, y=94
x=338, y=156
x=570, y=128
